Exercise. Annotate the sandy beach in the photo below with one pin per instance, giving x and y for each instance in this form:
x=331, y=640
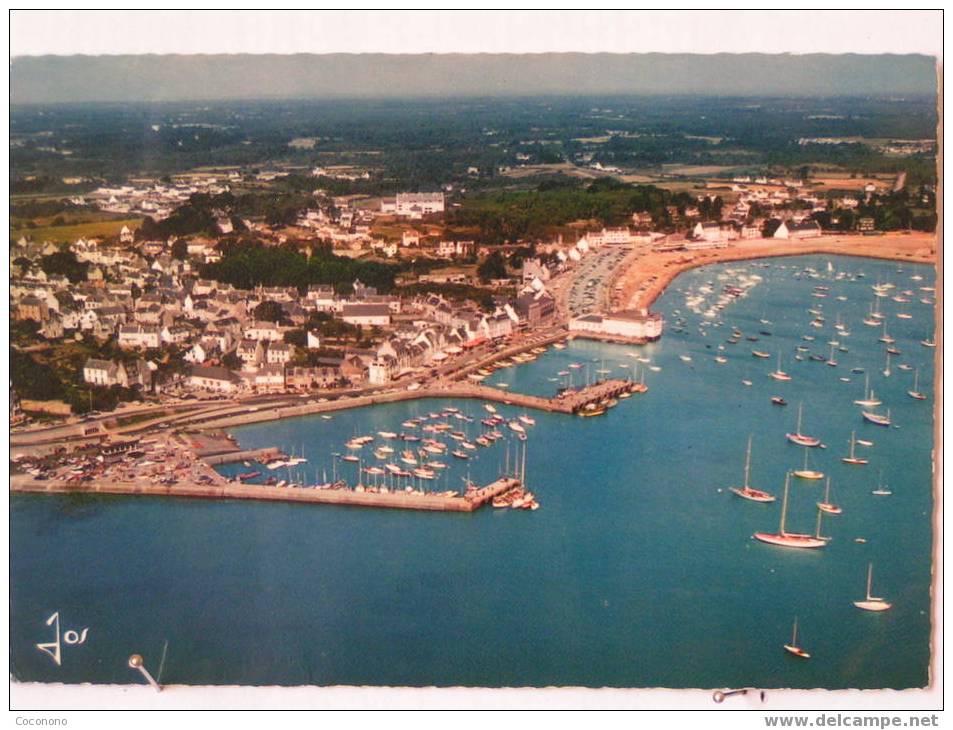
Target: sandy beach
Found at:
x=648, y=275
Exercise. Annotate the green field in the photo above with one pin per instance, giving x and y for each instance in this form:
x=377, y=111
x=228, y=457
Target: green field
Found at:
x=69, y=233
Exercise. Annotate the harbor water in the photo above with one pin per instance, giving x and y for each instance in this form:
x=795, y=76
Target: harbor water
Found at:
x=638, y=570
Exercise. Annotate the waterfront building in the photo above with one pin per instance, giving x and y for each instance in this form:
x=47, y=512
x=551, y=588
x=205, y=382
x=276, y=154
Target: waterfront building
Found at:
x=637, y=324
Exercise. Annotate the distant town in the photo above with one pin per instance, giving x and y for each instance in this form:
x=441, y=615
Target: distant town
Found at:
x=154, y=328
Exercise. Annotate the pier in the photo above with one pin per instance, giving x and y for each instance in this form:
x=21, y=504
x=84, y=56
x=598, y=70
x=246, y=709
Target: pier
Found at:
x=229, y=457
x=345, y=497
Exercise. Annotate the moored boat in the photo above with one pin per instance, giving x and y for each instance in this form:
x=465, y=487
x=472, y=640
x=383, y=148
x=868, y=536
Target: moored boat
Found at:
x=783, y=538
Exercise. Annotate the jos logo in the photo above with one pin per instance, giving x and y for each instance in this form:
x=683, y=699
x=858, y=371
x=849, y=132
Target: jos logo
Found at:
x=71, y=637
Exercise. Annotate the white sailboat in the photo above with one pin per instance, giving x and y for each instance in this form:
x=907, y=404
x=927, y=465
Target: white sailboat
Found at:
x=915, y=393
x=851, y=459
x=881, y=490
x=793, y=648
x=782, y=537
x=797, y=437
x=869, y=399
x=779, y=374
x=827, y=505
x=871, y=603
x=805, y=473
x=747, y=492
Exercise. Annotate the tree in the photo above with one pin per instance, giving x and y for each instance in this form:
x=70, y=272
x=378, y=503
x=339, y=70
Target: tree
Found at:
x=269, y=312
x=492, y=267
x=180, y=249
x=231, y=361
x=64, y=263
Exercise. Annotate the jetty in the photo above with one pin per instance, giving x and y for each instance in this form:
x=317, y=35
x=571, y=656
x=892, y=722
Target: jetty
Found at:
x=435, y=502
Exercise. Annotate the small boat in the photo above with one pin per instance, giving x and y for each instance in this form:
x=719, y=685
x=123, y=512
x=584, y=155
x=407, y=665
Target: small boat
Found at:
x=828, y=506
x=685, y=358
x=928, y=343
x=460, y=454
x=387, y=434
x=877, y=418
x=800, y=439
x=746, y=382
x=915, y=393
x=527, y=420
x=748, y=492
x=864, y=442
x=805, y=473
x=327, y=418
x=516, y=426
x=759, y=353
x=778, y=400
x=591, y=409
x=244, y=476
x=851, y=459
x=721, y=359
x=793, y=648
x=349, y=457
x=871, y=603
x=489, y=408
x=783, y=538
x=423, y=473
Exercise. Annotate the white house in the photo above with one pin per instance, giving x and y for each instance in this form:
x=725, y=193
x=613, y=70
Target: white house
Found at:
x=263, y=331
x=366, y=314
x=134, y=336
x=215, y=379
x=103, y=373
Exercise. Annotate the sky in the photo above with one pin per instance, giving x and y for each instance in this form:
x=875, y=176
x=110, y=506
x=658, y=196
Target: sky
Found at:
x=37, y=32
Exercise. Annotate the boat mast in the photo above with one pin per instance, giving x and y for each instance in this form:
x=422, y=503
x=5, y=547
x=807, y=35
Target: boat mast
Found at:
x=798, y=429
x=747, y=462
x=523, y=474
x=870, y=574
x=784, y=503
x=827, y=492
x=794, y=634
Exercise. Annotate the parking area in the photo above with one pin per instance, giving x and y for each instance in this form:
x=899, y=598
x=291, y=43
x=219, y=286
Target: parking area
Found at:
x=589, y=291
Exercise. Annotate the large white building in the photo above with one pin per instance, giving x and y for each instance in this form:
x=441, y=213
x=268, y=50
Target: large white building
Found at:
x=414, y=204
x=635, y=324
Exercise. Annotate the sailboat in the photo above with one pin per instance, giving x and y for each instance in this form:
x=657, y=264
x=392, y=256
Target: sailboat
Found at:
x=827, y=505
x=881, y=490
x=851, y=459
x=806, y=473
x=793, y=648
x=800, y=439
x=887, y=365
x=877, y=418
x=779, y=374
x=868, y=399
x=915, y=393
x=747, y=492
x=871, y=603
x=885, y=338
x=830, y=360
x=783, y=538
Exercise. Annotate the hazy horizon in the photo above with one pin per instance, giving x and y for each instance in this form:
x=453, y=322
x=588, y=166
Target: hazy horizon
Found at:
x=50, y=79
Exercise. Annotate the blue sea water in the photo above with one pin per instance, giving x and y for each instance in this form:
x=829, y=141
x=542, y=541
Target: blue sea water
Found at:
x=639, y=570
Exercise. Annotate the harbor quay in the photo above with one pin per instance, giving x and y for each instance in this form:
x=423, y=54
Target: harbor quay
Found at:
x=434, y=502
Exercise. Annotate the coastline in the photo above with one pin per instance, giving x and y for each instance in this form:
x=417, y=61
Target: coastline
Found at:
x=647, y=277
